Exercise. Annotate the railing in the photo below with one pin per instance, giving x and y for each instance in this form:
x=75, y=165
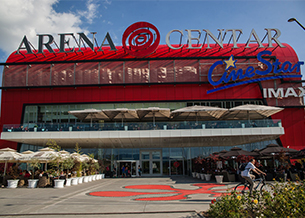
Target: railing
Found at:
x=127, y=126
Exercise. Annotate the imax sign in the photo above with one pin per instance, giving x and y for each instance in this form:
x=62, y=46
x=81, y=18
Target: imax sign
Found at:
x=284, y=93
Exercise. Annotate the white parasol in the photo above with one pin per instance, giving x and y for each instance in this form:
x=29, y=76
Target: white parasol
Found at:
x=121, y=114
x=250, y=111
x=196, y=111
x=153, y=112
x=89, y=114
x=8, y=155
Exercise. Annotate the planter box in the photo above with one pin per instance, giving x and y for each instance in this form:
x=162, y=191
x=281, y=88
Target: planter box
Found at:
x=207, y=177
x=68, y=182
x=13, y=183
x=198, y=175
x=59, y=183
x=32, y=183
x=86, y=179
x=74, y=181
x=219, y=178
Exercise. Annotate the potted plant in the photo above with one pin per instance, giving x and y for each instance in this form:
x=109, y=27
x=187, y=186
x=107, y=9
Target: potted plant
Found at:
x=34, y=164
x=35, y=128
x=56, y=163
x=218, y=176
x=68, y=164
x=13, y=172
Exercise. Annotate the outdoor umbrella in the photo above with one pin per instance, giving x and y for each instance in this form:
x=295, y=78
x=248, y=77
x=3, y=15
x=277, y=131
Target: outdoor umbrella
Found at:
x=153, y=112
x=121, y=114
x=89, y=114
x=273, y=149
x=45, y=155
x=236, y=151
x=77, y=157
x=85, y=157
x=26, y=156
x=249, y=111
x=64, y=154
x=222, y=153
x=8, y=155
x=198, y=112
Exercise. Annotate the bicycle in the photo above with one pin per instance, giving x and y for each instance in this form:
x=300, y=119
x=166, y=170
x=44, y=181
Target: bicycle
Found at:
x=244, y=187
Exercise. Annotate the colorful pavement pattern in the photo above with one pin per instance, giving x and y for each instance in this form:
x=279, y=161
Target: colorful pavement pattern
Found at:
x=180, y=194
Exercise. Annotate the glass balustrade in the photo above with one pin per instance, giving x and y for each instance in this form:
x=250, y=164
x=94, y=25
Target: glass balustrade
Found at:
x=139, y=126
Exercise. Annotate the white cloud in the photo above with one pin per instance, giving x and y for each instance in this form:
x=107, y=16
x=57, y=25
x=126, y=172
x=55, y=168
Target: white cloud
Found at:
x=91, y=12
x=31, y=17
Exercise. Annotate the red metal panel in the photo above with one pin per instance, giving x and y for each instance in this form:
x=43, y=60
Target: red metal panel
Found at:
x=162, y=52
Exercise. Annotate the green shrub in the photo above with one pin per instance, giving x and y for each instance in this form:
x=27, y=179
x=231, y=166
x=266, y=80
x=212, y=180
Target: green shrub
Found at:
x=287, y=200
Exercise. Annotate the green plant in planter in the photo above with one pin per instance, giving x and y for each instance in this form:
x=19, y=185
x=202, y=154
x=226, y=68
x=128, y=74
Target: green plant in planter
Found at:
x=53, y=144
x=85, y=166
x=68, y=164
x=78, y=165
x=34, y=164
x=78, y=168
x=14, y=172
x=91, y=164
x=56, y=163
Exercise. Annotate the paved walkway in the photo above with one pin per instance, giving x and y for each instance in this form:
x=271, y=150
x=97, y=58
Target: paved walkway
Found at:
x=119, y=197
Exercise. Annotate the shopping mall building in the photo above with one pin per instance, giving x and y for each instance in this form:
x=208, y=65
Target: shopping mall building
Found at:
x=41, y=85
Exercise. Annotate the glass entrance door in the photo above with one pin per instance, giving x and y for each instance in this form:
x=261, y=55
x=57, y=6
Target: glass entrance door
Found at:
x=151, y=162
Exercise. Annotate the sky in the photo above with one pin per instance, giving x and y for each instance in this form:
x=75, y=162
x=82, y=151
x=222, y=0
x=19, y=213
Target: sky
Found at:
x=32, y=17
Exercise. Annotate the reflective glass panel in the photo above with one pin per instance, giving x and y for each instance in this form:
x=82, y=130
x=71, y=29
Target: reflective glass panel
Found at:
x=145, y=155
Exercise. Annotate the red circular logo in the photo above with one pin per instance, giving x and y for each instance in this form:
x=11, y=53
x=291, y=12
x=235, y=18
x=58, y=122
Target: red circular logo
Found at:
x=176, y=164
x=141, y=39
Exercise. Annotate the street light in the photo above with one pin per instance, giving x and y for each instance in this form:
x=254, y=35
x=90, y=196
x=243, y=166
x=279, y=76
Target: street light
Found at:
x=293, y=19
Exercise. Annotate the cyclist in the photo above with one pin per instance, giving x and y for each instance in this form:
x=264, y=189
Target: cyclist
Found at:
x=250, y=177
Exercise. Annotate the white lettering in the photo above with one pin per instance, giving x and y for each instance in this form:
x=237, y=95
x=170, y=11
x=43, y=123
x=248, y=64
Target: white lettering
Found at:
x=290, y=92
x=281, y=93
x=168, y=42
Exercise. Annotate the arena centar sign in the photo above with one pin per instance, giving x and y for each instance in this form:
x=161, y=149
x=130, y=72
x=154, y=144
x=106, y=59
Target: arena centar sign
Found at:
x=142, y=39
x=235, y=75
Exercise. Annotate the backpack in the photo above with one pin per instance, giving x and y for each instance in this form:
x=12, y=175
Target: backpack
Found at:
x=242, y=167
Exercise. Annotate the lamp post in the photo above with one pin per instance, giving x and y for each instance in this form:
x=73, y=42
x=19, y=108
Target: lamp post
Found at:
x=293, y=19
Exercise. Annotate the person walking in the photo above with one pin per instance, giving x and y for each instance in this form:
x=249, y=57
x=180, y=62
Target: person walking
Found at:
x=139, y=170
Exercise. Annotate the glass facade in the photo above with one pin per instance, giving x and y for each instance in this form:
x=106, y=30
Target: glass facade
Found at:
x=154, y=161
x=57, y=114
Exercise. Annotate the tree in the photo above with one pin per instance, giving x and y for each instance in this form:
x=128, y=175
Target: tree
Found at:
x=78, y=165
x=34, y=164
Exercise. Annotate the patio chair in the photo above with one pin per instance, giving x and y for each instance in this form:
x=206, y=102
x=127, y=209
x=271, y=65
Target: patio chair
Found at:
x=228, y=177
x=43, y=182
x=293, y=176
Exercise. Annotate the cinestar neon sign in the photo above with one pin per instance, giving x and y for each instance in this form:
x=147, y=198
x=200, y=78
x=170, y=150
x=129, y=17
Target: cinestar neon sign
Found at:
x=239, y=74
x=142, y=39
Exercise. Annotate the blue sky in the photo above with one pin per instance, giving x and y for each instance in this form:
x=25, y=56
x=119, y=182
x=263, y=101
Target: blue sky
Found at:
x=31, y=17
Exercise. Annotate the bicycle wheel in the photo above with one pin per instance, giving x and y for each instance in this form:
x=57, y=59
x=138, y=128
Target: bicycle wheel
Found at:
x=242, y=188
x=267, y=187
